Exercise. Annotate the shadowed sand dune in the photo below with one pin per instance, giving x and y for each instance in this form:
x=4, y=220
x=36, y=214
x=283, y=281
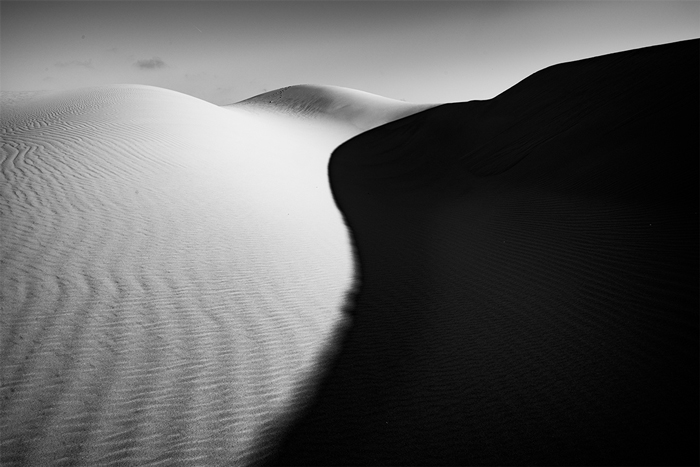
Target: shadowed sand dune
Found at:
x=529, y=277
x=172, y=273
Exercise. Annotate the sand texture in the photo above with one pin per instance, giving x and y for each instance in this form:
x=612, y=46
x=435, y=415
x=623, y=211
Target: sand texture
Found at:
x=529, y=277
x=171, y=274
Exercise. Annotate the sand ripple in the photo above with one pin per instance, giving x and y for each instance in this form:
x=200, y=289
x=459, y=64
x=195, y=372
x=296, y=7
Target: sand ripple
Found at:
x=171, y=272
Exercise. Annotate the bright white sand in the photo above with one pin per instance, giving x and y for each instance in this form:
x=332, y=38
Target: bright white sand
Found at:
x=170, y=272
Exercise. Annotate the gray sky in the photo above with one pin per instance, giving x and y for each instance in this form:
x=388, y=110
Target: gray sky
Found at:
x=225, y=51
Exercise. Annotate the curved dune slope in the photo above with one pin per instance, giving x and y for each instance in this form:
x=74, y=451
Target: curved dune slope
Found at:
x=361, y=109
x=171, y=273
x=529, y=277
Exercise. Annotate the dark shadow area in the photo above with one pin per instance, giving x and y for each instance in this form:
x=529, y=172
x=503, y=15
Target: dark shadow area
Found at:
x=529, y=277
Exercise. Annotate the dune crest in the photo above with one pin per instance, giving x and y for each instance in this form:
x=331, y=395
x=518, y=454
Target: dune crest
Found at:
x=361, y=109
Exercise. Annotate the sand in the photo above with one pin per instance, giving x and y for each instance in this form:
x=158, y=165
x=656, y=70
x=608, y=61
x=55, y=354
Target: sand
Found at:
x=528, y=277
x=359, y=109
x=172, y=273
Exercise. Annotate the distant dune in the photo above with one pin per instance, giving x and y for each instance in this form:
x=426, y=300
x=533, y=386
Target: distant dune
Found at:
x=358, y=108
x=529, y=277
x=172, y=273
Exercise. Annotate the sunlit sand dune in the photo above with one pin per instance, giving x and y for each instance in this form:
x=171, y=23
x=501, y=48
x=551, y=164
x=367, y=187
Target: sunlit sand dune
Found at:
x=529, y=277
x=171, y=273
x=360, y=109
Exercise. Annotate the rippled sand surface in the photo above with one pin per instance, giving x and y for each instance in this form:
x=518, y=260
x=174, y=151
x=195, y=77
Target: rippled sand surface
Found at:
x=171, y=273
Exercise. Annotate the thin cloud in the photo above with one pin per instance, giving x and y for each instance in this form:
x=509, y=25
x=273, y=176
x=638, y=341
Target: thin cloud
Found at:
x=75, y=63
x=150, y=63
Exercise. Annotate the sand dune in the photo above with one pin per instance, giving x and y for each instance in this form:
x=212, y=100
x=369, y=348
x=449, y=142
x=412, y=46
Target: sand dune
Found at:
x=529, y=277
x=361, y=109
x=172, y=271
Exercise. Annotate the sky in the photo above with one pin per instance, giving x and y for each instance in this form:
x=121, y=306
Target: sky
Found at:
x=227, y=51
